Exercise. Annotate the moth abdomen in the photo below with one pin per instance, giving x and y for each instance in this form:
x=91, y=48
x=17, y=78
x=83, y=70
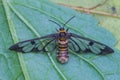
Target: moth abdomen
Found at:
x=63, y=56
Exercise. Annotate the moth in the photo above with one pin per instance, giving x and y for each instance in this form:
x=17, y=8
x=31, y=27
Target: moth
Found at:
x=62, y=41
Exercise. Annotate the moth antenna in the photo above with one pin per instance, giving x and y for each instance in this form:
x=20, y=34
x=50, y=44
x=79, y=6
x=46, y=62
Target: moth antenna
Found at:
x=68, y=21
x=57, y=30
x=55, y=23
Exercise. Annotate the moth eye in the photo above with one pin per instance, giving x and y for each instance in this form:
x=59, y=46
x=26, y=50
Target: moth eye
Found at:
x=91, y=43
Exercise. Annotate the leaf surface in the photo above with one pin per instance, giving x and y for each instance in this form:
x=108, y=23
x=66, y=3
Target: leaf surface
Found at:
x=26, y=19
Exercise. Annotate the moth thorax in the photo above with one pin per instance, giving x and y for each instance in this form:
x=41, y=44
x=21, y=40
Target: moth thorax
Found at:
x=62, y=31
x=62, y=34
x=63, y=56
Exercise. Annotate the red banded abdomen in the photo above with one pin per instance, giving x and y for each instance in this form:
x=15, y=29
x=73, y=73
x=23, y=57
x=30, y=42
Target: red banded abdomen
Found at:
x=63, y=50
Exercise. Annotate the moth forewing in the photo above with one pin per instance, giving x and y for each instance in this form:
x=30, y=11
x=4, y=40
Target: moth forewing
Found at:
x=83, y=44
x=22, y=44
x=73, y=45
x=86, y=44
x=95, y=49
x=32, y=44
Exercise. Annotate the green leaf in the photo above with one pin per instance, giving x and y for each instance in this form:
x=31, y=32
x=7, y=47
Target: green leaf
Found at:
x=26, y=19
x=107, y=13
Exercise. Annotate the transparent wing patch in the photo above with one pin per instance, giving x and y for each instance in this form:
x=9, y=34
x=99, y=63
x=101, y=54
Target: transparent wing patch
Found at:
x=74, y=46
x=47, y=43
x=85, y=44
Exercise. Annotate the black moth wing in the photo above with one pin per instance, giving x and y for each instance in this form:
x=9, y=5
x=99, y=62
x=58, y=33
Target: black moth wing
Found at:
x=82, y=44
x=36, y=45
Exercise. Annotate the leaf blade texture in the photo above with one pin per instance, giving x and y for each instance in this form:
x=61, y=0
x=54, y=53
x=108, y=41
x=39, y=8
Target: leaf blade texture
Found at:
x=30, y=20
